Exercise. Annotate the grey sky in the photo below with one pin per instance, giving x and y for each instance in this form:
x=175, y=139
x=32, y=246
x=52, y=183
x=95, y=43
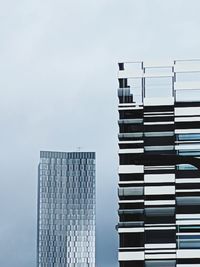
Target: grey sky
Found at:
x=58, y=64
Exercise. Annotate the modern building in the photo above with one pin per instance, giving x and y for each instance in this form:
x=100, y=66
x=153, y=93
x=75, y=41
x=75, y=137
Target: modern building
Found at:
x=159, y=175
x=66, y=209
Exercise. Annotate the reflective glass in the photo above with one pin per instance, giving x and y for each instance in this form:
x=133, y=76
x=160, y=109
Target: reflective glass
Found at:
x=66, y=209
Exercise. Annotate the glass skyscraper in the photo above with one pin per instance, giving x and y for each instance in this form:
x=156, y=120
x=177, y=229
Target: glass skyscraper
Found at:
x=66, y=209
x=159, y=165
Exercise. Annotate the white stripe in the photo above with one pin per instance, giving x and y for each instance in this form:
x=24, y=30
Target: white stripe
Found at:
x=161, y=224
x=131, y=169
x=131, y=248
x=186, y=111
x=161, y=245
x=131, y=230
x=188, y=253
x=131, y=201
x=160, y=256
x=188, y=222
x=131, y=182
x=182, y=131
x=183, y=119
x=130, y=108
x=159, y=178
x=159, y=123
x=188, y=146
x=187, y=141
x=161, y=251
x=131, y=142
x=160, y=202
x=131, y=150
x=159, y=190
x=160, y=228
x=130, y=256
x=189, y=180
x=187, y=216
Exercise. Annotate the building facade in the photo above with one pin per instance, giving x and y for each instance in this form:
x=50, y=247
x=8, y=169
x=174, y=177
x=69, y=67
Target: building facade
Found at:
x=159, y=187
x=66, y=209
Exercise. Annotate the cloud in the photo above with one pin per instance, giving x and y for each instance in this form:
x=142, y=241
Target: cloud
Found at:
x=59, y=91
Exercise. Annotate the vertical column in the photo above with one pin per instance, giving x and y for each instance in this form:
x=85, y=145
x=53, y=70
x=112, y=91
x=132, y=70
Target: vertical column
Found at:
x=159, y=181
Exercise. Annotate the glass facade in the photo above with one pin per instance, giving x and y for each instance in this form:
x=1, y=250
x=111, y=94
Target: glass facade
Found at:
x=66, y=209
x=159, y=165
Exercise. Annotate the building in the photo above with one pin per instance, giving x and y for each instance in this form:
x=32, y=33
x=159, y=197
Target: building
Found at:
x=159, y=186
x=66, y=209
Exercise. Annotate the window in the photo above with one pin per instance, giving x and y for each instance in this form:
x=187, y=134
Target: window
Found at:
x=160, y=263
x=132, y=239
x=160, y=236
x=132, y=264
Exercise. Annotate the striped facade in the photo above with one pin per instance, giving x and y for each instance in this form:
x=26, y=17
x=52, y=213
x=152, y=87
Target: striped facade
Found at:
x=159, y=199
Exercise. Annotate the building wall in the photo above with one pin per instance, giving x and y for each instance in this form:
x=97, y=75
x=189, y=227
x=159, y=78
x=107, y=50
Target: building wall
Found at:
x=159, y=203
x=66, y=209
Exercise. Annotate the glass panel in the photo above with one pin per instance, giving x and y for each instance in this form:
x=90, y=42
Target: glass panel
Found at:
x=156, y=87
x=160, y=263
x=131, y=191
x=189, y=153
x=189, y=243
x=185, y=167
x=132, y=240
x=187, y=95
x=183, y=137
x=160, y=236
x=193, y=200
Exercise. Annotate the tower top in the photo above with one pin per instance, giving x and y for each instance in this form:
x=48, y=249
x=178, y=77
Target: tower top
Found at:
x=160, y=78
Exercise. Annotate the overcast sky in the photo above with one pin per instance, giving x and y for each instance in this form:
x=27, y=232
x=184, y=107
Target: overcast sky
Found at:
x=58, y=91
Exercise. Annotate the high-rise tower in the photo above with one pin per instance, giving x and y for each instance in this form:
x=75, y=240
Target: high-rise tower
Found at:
x=66, y=209
x=159, y=175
